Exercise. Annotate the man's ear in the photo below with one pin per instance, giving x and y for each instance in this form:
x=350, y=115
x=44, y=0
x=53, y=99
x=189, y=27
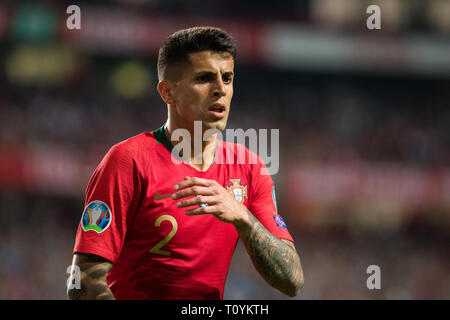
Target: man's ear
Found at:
x=165, y=91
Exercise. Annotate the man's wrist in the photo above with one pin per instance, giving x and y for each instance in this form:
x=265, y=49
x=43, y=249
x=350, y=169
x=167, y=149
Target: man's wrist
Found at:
x=243, y=221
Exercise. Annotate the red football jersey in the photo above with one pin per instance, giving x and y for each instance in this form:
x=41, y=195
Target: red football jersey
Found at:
x=158, y=251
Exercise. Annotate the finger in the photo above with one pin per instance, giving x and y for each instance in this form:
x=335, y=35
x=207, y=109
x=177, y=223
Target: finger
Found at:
x=201, y=210
x=189, y=182
x=192, y=191
x=196, y=201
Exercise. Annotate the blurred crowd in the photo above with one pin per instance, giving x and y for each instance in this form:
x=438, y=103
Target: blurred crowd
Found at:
x=350, y=117
x=37, y=237
x=399, y=16
x=321, y=118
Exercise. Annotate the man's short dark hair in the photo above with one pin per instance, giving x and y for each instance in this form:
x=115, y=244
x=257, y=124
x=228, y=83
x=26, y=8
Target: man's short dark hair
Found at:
x=178, y=46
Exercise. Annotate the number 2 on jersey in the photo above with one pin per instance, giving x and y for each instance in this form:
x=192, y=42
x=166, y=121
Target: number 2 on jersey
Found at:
x=157, y=248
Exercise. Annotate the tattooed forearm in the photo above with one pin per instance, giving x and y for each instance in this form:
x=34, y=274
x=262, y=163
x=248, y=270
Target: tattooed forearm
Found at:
x=276, y=260
x=93, y=272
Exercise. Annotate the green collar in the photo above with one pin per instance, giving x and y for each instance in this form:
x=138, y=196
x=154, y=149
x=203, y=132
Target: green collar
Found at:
x=160, y=136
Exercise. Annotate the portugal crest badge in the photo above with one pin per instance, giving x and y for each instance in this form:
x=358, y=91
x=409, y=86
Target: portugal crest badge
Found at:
x=239, y=191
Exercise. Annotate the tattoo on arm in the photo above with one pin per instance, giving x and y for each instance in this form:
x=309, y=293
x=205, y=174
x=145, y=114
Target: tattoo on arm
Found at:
x=94, y=270
x=275, y=259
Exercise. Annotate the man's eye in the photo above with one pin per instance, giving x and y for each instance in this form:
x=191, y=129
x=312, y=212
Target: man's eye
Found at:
x=203, y=78
x=227, y=80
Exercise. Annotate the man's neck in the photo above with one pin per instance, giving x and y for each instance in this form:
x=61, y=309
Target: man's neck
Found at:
x=200, y=159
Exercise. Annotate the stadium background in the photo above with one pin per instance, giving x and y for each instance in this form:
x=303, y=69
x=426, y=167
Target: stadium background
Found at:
x=363, y=115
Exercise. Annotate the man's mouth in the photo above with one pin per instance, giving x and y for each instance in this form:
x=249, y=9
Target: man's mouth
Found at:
x=217, y=110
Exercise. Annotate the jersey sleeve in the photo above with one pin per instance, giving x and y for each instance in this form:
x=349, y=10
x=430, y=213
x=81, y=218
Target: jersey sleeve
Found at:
x=110, y=204
x=263, y=202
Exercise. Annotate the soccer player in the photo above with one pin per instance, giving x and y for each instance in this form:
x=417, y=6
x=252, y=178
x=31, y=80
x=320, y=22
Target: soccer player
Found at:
x=154, y=228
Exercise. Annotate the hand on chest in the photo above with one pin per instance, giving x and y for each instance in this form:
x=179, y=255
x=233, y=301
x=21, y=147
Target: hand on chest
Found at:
x=170, y=220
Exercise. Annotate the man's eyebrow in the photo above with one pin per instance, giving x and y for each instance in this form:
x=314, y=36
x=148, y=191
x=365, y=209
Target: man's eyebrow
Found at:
x=206, y=73
x=212, y=73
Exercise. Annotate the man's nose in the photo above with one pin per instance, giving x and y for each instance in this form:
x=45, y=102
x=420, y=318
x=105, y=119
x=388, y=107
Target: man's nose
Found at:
x=219, y=89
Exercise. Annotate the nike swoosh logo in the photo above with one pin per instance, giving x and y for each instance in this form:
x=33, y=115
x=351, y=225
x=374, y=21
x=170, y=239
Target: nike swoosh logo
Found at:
x=161, y=196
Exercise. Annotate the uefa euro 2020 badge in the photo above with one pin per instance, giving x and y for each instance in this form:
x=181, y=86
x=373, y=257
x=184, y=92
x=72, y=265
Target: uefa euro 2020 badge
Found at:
x=96, y=216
